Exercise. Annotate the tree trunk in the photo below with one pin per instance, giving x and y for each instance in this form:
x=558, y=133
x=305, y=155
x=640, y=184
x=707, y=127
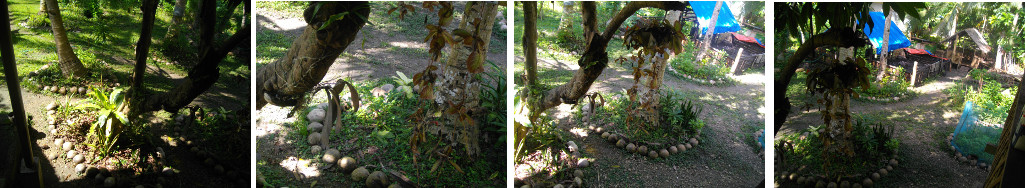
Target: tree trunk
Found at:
x=594, y=59
x=458, y=75
x=530, y=41
x=843, y=37
x=226, y=19
x=285, y=80
x=69, y=63
x=176, y=18
x=149, y=9
x=711, y=31
x=886, y=46
x=201, y=77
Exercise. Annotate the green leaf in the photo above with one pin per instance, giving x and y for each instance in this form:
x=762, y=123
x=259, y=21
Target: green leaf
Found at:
x=329, y=20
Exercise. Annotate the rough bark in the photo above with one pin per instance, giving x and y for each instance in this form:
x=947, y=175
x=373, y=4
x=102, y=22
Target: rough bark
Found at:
x=594, y=59
x=285, y=80
x=530, y=40
x=68, y=62
x=202, y=76
x=843, y=37
x=460, y=78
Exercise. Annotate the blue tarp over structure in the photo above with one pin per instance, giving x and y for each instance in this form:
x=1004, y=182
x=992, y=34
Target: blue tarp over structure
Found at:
x=875, y=34
x=723, y=24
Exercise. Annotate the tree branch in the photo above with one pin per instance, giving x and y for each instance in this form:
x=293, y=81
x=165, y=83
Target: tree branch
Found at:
x=844, y=37
x=595, y=58
x=287, y=79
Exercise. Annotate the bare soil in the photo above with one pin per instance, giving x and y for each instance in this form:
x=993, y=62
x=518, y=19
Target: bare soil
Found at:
x=921, y=124
x=722, y=160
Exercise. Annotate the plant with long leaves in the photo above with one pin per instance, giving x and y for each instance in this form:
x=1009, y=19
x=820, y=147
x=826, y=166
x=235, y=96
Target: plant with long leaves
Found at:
x=111, y=118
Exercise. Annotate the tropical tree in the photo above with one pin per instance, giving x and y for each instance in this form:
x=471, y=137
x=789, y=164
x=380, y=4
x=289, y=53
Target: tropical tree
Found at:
x=68, y=62
x=592, y=61
x=845, y=19
x=200, y=78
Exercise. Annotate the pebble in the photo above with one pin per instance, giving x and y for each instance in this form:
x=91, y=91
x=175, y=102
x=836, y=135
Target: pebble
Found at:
x=78, y=159
x=168, y=171
x=315, y=149
x=316, y=115
x=80, y=168
x=66, y=146
x=331, y=155
x=71, y=154
x=583, y=163
x=315, y=127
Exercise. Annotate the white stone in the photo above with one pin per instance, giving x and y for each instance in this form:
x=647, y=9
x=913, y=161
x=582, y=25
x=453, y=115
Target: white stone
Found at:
x=314, y=127
x=316, y=115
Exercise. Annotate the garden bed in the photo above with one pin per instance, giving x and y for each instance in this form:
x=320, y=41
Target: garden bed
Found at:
x=802, y=161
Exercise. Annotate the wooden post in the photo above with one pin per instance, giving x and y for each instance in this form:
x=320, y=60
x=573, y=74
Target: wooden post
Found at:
x=736, y=60
x=914, y=74
x=886, y=45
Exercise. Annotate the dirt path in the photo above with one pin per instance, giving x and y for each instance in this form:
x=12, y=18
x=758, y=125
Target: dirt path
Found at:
x=723, y=160
x=60, y=172
x=376, y=58
x=370, y=59
x=922, y=125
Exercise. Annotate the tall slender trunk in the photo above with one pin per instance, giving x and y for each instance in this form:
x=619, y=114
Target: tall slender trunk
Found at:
x=886, y=46
x=530, y=41
x=710, y=33
x=149, y=9
x=201, y=77
x=69, y=63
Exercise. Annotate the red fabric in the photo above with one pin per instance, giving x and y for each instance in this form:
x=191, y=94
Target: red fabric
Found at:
x=746, y=39
x=921, y=52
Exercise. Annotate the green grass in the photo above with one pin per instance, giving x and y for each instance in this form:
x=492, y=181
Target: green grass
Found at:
x=384, y=124
x=102, y=43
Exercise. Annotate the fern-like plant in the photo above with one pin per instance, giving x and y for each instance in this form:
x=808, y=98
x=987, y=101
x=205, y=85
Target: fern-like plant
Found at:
x=110, y=121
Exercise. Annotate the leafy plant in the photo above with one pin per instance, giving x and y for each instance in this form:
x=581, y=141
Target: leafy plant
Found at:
x=111, y=120
x=404, y=84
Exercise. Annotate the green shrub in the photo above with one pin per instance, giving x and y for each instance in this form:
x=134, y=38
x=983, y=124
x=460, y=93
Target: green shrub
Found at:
x=111, y=121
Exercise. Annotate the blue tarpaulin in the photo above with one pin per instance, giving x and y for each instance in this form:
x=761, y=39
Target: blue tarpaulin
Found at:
x=723, y=24
x=875, y=34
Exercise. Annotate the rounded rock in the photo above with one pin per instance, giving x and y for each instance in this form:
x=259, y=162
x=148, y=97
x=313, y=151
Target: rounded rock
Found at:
x=219, y=169
x=672, y=150
x=652, y=154
x=893, y=162
x=883, y=172
x=867, y=182
x=78, y=159
x=621, y=143
x=605, y=135
x=875, y=176
x=109, y=182
x=845, y=184
x=314, y=138
x=359, y=174
x=820, y=184
x=682, y=148
x=66, y=146
x=642, y=149
x=583, y=163
x=578, y=173
x=331, y=155
x=71, y=154
x=693, y=141
x=315, y=149
x=347, y=164
x=689, y=146
x=663, y=153
x=209, y=162
x=58, y=142
x=831, y=185
x=316, y=115
x=80, y=168
x=314, y=127
x=167, y=171
x=630, y=147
